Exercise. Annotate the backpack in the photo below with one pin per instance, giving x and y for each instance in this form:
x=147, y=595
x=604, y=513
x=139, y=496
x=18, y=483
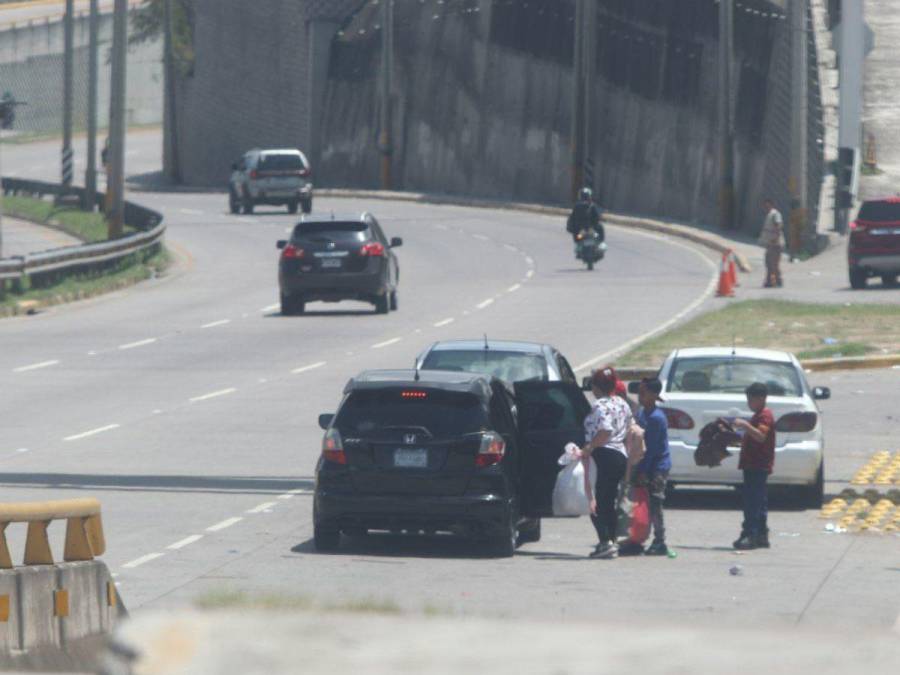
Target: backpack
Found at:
x=715, y=438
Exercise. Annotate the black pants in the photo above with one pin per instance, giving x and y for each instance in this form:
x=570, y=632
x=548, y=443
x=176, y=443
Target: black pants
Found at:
x=611, y=466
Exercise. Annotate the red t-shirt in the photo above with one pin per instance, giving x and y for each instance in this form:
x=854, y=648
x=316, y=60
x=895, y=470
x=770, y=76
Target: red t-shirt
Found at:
x=756, y=454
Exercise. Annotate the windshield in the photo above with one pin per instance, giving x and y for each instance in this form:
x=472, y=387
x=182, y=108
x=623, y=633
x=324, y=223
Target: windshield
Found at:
x=728, y=375
x=281, y=163
x=509, y=366
x=880, y=212
x=443, y=414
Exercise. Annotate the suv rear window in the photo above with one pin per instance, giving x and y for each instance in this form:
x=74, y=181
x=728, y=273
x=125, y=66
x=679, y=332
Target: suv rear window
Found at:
x=880, y=212
x=281, y=163
x=444, y=414
x=335, y=231
x=509, y=366
x=725, y=375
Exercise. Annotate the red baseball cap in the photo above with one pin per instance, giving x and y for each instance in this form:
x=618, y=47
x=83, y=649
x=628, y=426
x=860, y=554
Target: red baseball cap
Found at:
x=605, y=378
x=621, y=389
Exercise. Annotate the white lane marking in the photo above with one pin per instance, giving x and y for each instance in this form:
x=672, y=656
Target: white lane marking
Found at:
x=22, y=450
x=270, y=308
x=287, y=495
x=445, y=322
x=265, y=506
x=386, y=343
x=486, y=303
x=224, y=524
x=35, y=366
x=191, y=212
x=513, y=288
x=216, y=324
x=187, y=541
x=529, y=260
x=214, y=394
x=481, y=237
x=137, y=562
x=92, y=432
x=306, y=369
x=441, y=227
x=139, y=343
x=529, y=274
x=510, y=247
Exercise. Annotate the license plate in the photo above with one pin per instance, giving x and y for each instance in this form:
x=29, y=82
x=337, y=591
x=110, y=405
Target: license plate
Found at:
x=411, y=459
x=331, y=262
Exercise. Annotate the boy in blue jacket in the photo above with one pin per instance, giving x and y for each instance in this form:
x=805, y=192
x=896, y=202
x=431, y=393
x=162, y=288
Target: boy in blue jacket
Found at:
x=653, y=470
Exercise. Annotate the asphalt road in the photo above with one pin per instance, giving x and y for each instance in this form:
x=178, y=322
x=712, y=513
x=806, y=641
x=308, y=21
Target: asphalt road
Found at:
x=189, y=406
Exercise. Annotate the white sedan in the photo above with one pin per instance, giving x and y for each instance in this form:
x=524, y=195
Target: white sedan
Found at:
x=703, y=384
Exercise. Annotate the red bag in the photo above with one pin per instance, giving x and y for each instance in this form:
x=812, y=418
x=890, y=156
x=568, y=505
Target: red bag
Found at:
x=634, y=515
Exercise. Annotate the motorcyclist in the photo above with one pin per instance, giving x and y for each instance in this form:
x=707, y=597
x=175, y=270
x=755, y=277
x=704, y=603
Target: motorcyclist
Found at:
x=585, y=215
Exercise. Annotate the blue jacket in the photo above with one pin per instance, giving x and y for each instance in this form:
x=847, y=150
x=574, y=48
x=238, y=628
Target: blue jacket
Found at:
x=656, y=439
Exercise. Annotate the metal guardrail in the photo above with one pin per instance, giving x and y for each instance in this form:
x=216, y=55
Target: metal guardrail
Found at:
x=84, y=530
x=149, y=224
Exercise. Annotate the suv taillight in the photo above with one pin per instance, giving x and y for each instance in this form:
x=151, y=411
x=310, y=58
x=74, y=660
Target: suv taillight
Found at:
x=333, y=447
x=799, y=422
x=291, y=251
x=304, y=172
x=678, y=419
x=254, y=174
x=492, y=449
x=373, y=249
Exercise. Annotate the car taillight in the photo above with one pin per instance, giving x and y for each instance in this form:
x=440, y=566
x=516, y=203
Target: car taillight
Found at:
x=333, y=447
x=492, y=449
x=799, y=422
x=373, y=249
x=304, y=172
x=291, y=251
x=254, y=174
x=678, y=419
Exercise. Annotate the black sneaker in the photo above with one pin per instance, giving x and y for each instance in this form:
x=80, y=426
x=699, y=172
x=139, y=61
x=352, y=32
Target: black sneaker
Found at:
x=630, y=548
x=605, y=550
x=745, y=543
x=657, y=548
x=762, y=540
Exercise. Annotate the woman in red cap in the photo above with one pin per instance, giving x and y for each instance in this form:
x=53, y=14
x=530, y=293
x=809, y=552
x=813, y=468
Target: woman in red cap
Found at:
x=605, y=429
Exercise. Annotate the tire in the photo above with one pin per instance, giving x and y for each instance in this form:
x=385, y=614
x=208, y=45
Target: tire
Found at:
x=857, y=278
x=325, y=540
x=234, y=205
x=382, y=304
x=531, y=533
x=306, y=205
x=590, y=265
x=247, y=207
x=813, y=496
x=504, y=545
x=291, y=305
x=393, y=301
x=889, y=280
x=292, y=207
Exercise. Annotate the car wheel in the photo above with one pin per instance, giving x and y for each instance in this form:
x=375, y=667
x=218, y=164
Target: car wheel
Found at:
x=326, y=540
x=292, y=207
x=530, y=533
x=382, y=305
x=889, y=280
x=857, y=278
x=291, y=305
x=247, y=206
x=234, y=205
x=590, y=265
x=306, y=204
x=813, y=496
x=393, y=301
x=504, y=545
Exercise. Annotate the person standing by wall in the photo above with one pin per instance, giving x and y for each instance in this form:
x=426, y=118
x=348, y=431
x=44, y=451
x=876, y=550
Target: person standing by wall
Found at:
x=771, y=237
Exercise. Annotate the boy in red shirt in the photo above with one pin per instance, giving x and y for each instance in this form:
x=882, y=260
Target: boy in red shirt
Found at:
x=757, y=460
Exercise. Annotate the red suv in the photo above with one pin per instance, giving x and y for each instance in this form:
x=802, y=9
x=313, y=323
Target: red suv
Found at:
x=874, y=248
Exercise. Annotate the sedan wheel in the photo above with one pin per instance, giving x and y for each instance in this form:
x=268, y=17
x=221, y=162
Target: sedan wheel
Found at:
x=382, y=304
x=393, y=301
x=326, y=541
x=504, y=545
x=233, y=204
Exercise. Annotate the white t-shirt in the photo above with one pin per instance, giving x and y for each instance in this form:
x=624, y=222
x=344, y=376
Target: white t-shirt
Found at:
x=771, y=230
x=610, y=414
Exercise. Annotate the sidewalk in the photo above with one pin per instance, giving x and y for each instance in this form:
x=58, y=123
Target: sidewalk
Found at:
x=21, y=237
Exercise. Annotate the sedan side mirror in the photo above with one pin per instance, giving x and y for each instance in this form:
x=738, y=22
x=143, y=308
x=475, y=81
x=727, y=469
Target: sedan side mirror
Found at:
x=396, y=241
x=281, y=243
x=587, y=383
x=325, y=420
x=821, y=393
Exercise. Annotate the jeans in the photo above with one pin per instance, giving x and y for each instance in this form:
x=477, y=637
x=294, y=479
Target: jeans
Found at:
x=773, y=266
x=756, y=502
x=610, y=472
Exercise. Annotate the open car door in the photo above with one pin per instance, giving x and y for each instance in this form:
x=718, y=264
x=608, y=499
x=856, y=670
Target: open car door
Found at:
x=551, y=414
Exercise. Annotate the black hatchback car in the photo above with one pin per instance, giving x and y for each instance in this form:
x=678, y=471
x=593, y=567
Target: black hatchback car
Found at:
x=441, y=451
x=334, y=259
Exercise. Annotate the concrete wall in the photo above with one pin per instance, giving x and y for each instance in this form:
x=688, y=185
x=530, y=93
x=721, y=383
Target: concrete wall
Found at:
x=31, y=67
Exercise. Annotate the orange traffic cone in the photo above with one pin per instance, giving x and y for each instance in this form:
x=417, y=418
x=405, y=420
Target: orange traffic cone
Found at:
x=726, y=288
x=732, y=269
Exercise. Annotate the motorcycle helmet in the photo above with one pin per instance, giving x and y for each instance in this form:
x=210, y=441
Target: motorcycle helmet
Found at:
x=586, y=194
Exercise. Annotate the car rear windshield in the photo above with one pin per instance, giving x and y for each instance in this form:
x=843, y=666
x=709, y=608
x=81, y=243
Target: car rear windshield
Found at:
x=334, y=231
x=281, y=163
x=444, y=414
x=509, y=366
x=727, y=375
x=880, y=212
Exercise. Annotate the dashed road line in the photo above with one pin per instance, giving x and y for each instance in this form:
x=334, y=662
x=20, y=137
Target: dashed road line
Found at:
x=529, y=274
x=270, y=308
x=187, y=541
x=139, y=343
x=265, y=506
x=36, y=366
x=510, y=247
x=22, y=450
x=137, y=562
x=213, y=394
x=216, y=324
x=486, y=303
x=481, y=237
x=92, y=432
x=386, y=343
x=306, y=369
x=529, y=260
x=445, y=322
x=225, y=523
x=286, y=495
x=513, y=288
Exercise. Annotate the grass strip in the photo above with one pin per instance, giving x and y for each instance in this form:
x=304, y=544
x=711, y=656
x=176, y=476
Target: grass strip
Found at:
x=809, y=330
x=89, y=227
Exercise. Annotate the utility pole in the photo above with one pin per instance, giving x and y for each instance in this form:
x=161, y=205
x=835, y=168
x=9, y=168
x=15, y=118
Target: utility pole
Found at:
x=578, y=96
x=589, y=46
x=90, y=176
x=726, y=115
x=116, y=179
x=799, y=125
x=68, y=93
x=386, y=141
x=171, y=158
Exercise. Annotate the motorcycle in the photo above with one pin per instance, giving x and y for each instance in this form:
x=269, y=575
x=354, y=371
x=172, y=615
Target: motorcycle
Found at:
x=589, y=248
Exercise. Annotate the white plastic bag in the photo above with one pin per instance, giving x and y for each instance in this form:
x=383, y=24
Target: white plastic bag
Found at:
x=569, y=496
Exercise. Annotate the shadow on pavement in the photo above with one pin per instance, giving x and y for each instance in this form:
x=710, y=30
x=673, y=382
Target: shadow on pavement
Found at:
x=155, y=483
x=389, y=546
x=726, y=500
x=332, y=313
